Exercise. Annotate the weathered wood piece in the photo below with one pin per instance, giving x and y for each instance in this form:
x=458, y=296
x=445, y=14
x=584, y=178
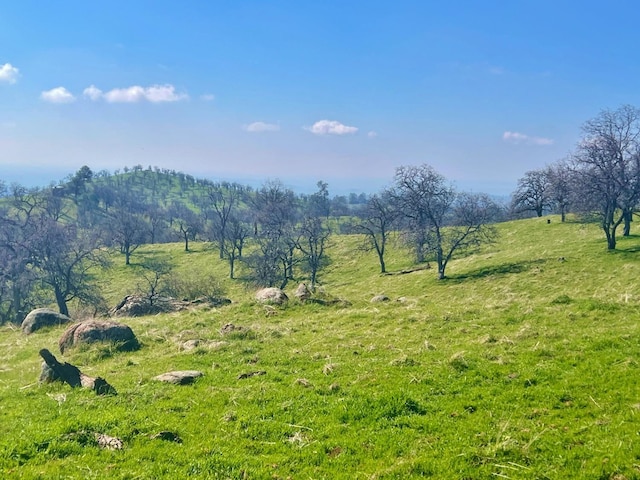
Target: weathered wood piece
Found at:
x=73, y=376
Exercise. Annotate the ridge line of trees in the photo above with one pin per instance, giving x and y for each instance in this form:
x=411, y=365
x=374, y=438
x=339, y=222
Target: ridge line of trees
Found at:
x=53, y=240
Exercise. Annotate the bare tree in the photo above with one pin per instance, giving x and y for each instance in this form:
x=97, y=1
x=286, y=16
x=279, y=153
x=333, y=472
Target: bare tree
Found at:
x=64, y=258
x=560, y=187
x=607, y=167
x=533, y=193
x=237, y=232
x=425, y=198
x=17, y=278
x=186, y=223
x=126, y=222
x=223, y=200
x=451, y=222
x=312, y=242
x=153, y=271
x=471, y=226
x=275, y=211
x=376, y=225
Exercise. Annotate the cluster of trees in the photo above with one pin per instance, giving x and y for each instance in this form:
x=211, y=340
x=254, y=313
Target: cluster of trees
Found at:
x=600, y=179
x=53, y=239
x=432, y=218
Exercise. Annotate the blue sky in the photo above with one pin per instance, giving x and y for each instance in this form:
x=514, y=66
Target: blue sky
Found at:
x=340, y=91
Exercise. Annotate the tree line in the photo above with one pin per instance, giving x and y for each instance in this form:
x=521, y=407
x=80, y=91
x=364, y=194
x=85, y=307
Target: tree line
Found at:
x=54, y=240
x=599, y=180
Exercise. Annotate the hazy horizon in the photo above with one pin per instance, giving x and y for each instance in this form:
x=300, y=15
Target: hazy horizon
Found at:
x=343, y=92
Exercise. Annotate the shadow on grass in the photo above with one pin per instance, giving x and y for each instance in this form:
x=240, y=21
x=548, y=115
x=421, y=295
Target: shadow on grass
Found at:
x=622, y=241
x=494, y=270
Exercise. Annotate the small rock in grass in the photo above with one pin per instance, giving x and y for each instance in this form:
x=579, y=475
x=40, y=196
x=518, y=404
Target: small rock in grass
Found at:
x=179, y=377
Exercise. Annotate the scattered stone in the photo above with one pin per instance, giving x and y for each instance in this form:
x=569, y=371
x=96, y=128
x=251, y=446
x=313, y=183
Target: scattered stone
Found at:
x=108, y=443
x=228, y=328
x=303, y=382
x=272, y=295
x=167, y=436
x=191, y=345
x=91, y=331
x=42, y=317
x=179, y=377
x=138, y=306
x=242, y=376
x=302, y=293
x=379, y=299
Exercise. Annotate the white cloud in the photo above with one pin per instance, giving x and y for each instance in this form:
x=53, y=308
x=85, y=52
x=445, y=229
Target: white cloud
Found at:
x=261, y=127
x=57, y=95
x=93, y=93
x=136, y=93
x=331, y=127
x=516, y=137
x=9, y=73
x=372, y=134
x=207, y=97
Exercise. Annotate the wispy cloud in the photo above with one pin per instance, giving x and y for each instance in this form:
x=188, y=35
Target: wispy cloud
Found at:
x=92, y=92
x=256, y=127
x=136, y=93
x=517, y=137
x=9, y=73
x=57, y=95
x=331, y=127
x=372, y=134
x=207, y=97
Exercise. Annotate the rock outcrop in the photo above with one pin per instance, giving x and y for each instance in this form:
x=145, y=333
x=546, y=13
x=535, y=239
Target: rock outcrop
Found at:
x=91, y=331
x=42, y=317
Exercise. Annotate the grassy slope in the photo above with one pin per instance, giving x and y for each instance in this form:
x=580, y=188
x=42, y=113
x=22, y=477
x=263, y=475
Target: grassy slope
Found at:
x=520, y=365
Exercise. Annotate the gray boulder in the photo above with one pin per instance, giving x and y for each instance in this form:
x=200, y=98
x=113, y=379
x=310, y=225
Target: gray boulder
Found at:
x=272, y=295
x=303, y=293
x=42, y=317
x=379, y=299
x=92, y=331
x=179, y=377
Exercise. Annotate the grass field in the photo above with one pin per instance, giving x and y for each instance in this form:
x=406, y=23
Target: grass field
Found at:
x=522, y=364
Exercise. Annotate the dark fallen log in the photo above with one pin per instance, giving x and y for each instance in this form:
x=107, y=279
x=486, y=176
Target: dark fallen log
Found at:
x=73, y=376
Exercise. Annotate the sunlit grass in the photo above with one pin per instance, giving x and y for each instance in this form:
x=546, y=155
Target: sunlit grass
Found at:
x=522, y=364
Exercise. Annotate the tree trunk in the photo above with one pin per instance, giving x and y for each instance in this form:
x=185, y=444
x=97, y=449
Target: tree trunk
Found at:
x=383, y=267
x=232, y=262
x=61, y=301
x=628, y=218
x=441, y=263
x=611, y=238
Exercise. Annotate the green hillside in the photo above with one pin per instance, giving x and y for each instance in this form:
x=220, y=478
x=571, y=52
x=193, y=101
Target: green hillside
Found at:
x=523, y=363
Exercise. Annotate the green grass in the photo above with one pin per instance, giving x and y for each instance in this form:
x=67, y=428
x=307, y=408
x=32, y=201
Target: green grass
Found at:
x=524, y=363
